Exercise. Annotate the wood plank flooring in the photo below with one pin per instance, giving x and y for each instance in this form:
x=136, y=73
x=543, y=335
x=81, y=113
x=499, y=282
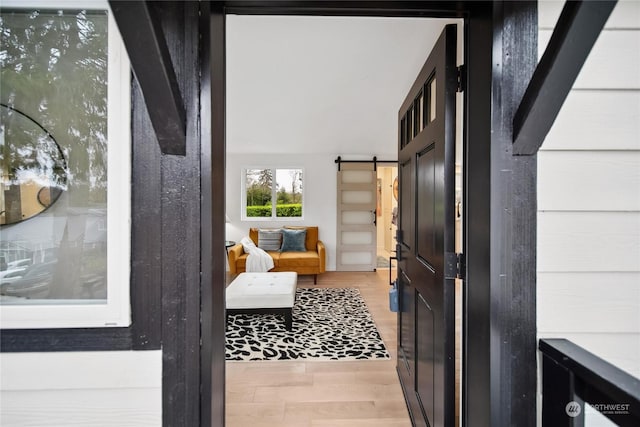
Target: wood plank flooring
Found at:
x=324, y=394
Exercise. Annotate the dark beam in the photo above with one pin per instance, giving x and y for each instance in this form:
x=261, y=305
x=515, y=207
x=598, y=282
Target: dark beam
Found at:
x=576, y=32
x=212, y=210
x=347, y=8
x=151, y=63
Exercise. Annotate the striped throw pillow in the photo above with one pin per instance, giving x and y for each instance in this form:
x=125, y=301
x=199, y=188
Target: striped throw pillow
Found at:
x=270, y=240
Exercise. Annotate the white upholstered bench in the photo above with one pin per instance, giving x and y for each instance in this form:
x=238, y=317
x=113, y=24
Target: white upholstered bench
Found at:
x=263, y=293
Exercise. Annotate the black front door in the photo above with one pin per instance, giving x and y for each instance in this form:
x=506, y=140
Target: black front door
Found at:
x=426, y=320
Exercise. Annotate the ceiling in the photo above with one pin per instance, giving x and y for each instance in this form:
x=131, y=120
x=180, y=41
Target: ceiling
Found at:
x=321, y=84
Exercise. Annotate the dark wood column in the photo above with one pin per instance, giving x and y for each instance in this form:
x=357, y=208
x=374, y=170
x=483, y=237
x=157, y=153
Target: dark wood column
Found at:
x=213, y=149
x=500, y=226
x=179, y=218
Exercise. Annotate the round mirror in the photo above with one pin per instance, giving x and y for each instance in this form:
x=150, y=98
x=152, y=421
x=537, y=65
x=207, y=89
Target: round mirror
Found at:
x=33, y=167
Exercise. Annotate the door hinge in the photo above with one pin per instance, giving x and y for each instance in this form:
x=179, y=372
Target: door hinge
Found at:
x=454, y=266
x=462, y=78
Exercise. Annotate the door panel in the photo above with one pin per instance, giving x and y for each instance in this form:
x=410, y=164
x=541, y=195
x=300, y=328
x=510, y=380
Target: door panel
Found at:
x=404, y=204
x=425, y=361
x=426, y=148
x=356, y=237
x=406, y=325
x=425, y=183
x=357, y=196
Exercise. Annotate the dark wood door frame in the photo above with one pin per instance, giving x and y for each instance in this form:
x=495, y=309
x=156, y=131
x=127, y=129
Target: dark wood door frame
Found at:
x=500, y=223
x=213, y=166
x=500, y=203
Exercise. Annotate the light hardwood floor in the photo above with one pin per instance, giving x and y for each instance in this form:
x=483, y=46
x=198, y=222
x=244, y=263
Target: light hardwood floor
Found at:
x=324, y=394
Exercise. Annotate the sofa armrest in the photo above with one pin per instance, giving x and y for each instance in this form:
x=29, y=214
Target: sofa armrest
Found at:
x=322, y=255
x=233, y=253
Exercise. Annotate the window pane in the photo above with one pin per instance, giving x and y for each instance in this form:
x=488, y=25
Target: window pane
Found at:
x=53, y=155
x=356, y=176
x=410, y=124
x=289, y=193
x=419, y=113
x=432, y=100
x=258, y=188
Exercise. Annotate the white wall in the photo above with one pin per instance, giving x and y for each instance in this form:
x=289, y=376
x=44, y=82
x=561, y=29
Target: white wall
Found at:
x=319, y=193
x=320, y=84
x=589, y=199
x=114, y=388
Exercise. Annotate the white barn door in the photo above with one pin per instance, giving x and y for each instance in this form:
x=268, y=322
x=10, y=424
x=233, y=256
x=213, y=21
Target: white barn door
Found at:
x=356, y=239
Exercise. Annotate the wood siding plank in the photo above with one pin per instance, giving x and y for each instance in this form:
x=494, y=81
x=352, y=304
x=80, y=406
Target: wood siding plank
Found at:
x=589, y=302
x=625, y=15
x=113, y=388
x=588, y=241
x=597, y=120
x=112, y=407
x=80, y=370
x=589, y=181
x=613, y=62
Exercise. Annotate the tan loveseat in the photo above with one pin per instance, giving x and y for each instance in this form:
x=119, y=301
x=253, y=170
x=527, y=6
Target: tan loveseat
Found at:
x=310, y=262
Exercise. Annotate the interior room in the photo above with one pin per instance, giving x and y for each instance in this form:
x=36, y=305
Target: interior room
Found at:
x=300, y=103
x=332, y=90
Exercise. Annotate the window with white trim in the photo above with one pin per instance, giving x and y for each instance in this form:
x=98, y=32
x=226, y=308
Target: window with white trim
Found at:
x=65, y=159
x=272, y=193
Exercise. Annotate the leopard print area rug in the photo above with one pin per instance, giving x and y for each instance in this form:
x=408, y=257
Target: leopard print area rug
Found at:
x=328, y=324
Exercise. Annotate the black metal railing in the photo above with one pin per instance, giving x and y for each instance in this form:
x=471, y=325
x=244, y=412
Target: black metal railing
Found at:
x=573, y=377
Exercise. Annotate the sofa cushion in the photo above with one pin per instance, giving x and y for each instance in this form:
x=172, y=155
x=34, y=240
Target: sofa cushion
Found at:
x=298, y=259
x=269, y=239
x=311, y=242
x=293, y=240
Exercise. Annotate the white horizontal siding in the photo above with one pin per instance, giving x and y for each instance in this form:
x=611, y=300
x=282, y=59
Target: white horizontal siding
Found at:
x=625, y=15
x=597, y=120
x=613, y=62
x=588, y=241
x=597, y=302
x=120, y=388
x=589, y=181
x=98, y=407
x=588, y=283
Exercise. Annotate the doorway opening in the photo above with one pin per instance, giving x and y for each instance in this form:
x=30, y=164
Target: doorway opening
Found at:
x=294, y=108
x=386, y=216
